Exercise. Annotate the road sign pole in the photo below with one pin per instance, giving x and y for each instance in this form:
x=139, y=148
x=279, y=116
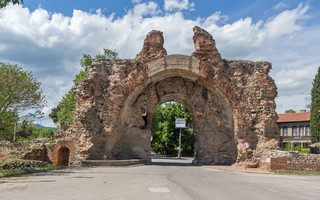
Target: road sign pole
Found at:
x=245, y=157
x=246, y=147
x=179, y=155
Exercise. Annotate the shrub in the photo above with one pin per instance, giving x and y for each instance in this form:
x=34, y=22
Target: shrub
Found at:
x=305, y=150
x=297, y=148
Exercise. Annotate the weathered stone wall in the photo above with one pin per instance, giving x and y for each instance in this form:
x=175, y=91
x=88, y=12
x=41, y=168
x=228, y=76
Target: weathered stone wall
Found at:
x=230, y=102
x=34, y=150
x=275, y=159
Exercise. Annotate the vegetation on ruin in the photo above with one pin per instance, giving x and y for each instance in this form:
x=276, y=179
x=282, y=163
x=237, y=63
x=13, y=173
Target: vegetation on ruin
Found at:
x=315, y=109
x=4, y=3
x=165, y=138
x=66, y=107
x=20, y=91
x=17, y=167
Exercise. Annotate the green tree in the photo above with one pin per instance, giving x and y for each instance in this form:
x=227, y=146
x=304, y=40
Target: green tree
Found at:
x=25, y=129
x=4, y=3
x=165, y=138
x=65, y=109
x=315, y=109
x=19, y=91
x=290, y=111
x=7, y=121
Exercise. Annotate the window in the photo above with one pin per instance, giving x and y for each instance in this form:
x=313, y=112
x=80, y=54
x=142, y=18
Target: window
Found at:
x=280, y=131
x=308, y=130
x=294, y=131
x=301, y=131
x=285, y=131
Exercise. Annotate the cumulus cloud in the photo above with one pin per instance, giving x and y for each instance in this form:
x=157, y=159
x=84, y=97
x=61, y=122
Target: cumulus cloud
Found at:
x=286, y=22
x=174, y=5
x=51, y=44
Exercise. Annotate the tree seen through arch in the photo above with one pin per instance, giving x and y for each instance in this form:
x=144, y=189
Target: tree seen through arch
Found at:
x=165, y=138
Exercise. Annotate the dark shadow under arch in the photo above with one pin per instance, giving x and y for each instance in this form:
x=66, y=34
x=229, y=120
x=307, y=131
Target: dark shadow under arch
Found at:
x=63, y=156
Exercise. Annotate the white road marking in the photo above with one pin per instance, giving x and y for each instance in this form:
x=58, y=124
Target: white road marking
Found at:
x=159, y=189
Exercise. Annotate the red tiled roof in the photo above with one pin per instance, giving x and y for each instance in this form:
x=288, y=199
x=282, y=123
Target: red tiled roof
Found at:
x=294, y=117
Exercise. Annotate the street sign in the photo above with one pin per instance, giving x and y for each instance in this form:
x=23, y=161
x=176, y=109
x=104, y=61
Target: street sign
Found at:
x=181, y=123
x=246, y=145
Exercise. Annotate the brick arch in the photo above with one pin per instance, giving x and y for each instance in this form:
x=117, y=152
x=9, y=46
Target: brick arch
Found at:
x=57, y=150
x=235, y=99
x=211, y=112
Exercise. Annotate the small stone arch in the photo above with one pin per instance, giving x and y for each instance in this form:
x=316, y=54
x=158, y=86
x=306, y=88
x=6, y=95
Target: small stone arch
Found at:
x=63, y=153
x=63, y=156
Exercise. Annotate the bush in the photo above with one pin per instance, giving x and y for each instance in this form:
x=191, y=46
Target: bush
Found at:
x=287, y=147
x=297, y=148
x=305, y=150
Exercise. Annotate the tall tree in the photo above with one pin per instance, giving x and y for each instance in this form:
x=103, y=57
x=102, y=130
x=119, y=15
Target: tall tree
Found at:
x=19, y=91
x=66, y=107
x=4, y=3
x=315, y=109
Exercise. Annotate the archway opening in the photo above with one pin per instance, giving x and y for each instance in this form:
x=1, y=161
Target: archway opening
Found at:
x=164, y=134
x=212, y=118
x=63, y=156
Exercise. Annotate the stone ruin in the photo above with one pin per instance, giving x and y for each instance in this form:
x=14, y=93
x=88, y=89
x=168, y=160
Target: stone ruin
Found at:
x=231, y=102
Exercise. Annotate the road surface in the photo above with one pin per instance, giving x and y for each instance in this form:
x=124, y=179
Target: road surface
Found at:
x=164, y=179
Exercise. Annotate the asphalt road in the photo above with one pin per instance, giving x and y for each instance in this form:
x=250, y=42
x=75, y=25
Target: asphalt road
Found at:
x=164, y=179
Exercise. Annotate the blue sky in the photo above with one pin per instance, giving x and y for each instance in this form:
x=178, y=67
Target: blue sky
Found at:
x=49, y=37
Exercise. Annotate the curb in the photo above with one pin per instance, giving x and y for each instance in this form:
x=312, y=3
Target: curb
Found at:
x=99, y=163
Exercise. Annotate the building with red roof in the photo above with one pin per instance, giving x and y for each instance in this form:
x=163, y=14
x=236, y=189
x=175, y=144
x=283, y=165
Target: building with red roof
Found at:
x=294, y=129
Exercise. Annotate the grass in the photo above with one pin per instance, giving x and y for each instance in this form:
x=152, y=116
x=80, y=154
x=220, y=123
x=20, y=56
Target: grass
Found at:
x=296, y=172
x=19, y=172
x=10, y=167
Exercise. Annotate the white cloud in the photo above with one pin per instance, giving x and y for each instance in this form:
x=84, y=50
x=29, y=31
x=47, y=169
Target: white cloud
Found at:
x=51, y=45
x=281, y=5
x=296, y=81
x=174, y=5
x=149, y=8
x=136, y=1
x=286, y=22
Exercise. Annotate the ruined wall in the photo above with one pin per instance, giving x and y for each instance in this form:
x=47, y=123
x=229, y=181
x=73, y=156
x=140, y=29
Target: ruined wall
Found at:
x=30, y=150
x=230, y=102
x=275, y=159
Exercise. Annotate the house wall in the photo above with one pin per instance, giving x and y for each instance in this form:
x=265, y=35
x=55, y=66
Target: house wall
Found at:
x=294, y=138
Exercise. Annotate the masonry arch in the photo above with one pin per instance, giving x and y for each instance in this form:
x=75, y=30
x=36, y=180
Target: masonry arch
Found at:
x=231, y=101
x=63, y=153
x=210, y=109
x=63, y=156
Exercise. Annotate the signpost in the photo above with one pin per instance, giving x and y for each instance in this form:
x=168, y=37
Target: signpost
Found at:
x=181, y=123
x=246, y=146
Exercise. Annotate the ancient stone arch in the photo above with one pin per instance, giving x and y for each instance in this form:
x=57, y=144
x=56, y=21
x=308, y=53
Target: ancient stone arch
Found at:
x=230, y=102
x=63, y=152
